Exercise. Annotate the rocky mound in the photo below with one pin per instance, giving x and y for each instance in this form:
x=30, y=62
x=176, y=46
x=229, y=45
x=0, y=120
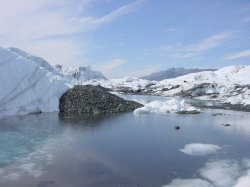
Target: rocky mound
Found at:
x=94, y=99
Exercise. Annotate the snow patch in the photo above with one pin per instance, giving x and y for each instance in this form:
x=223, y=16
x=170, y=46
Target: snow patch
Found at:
x=199, y=149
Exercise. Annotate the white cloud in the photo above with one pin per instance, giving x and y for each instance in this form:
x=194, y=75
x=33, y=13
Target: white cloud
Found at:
x=57, y=51
x=109, y=67
x=30, y=25
x=243, y=181
x=165, y=47
x=203, y=46
x=199, y=149
x=119, y=12
x=241, y=54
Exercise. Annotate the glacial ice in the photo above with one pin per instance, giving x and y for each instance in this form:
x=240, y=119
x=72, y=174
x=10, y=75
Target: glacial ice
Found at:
x=27, y=87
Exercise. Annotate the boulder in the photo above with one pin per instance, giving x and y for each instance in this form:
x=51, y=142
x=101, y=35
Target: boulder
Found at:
x=93, y=100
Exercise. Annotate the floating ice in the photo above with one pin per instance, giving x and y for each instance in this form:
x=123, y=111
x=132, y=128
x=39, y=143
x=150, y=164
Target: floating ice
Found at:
x=222, y=173
x=172, y=105
x=219, y=173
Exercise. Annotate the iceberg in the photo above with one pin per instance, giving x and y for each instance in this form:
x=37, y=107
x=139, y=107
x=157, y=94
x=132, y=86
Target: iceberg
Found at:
x=172, y=105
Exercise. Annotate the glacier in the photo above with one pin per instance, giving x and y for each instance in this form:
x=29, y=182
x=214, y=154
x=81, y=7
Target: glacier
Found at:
x=28, y=84
x=38, y=60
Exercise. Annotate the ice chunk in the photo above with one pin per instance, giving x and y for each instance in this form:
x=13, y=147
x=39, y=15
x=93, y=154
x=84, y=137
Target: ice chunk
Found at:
x=221, y=172
x=172, y=105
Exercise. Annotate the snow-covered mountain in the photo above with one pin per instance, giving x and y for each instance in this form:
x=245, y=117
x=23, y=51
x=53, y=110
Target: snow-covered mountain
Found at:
x=81, y=74
x=227, y=85
x=172, y=73
x=28, y=84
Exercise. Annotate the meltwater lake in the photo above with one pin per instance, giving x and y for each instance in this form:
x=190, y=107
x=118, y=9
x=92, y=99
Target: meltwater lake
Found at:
x=53, y=150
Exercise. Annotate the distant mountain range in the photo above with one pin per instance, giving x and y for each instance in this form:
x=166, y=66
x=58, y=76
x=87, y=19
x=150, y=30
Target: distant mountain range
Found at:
x=173, y=73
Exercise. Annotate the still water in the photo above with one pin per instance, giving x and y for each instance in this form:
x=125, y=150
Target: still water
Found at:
x=50, y=150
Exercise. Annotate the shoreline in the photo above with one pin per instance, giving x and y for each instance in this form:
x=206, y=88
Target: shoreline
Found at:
x=217, y=104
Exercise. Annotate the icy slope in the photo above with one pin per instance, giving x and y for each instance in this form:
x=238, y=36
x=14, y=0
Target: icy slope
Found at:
x=81, y=74
x=38, y=60
x=28, y=86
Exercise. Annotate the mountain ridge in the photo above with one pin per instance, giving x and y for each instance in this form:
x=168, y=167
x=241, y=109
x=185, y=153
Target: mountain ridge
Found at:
x=172, y=73
x=80, y=73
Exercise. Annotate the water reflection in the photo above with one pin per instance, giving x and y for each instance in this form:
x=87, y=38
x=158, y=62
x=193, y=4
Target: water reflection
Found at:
x=117, y=150
x=85, y=119
x=26, y=144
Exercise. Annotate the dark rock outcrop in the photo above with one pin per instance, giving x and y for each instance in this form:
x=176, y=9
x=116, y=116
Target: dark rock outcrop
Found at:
x=93, y=100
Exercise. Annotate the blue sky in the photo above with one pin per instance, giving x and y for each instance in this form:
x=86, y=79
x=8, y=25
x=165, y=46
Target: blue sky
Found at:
x=130, y=37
